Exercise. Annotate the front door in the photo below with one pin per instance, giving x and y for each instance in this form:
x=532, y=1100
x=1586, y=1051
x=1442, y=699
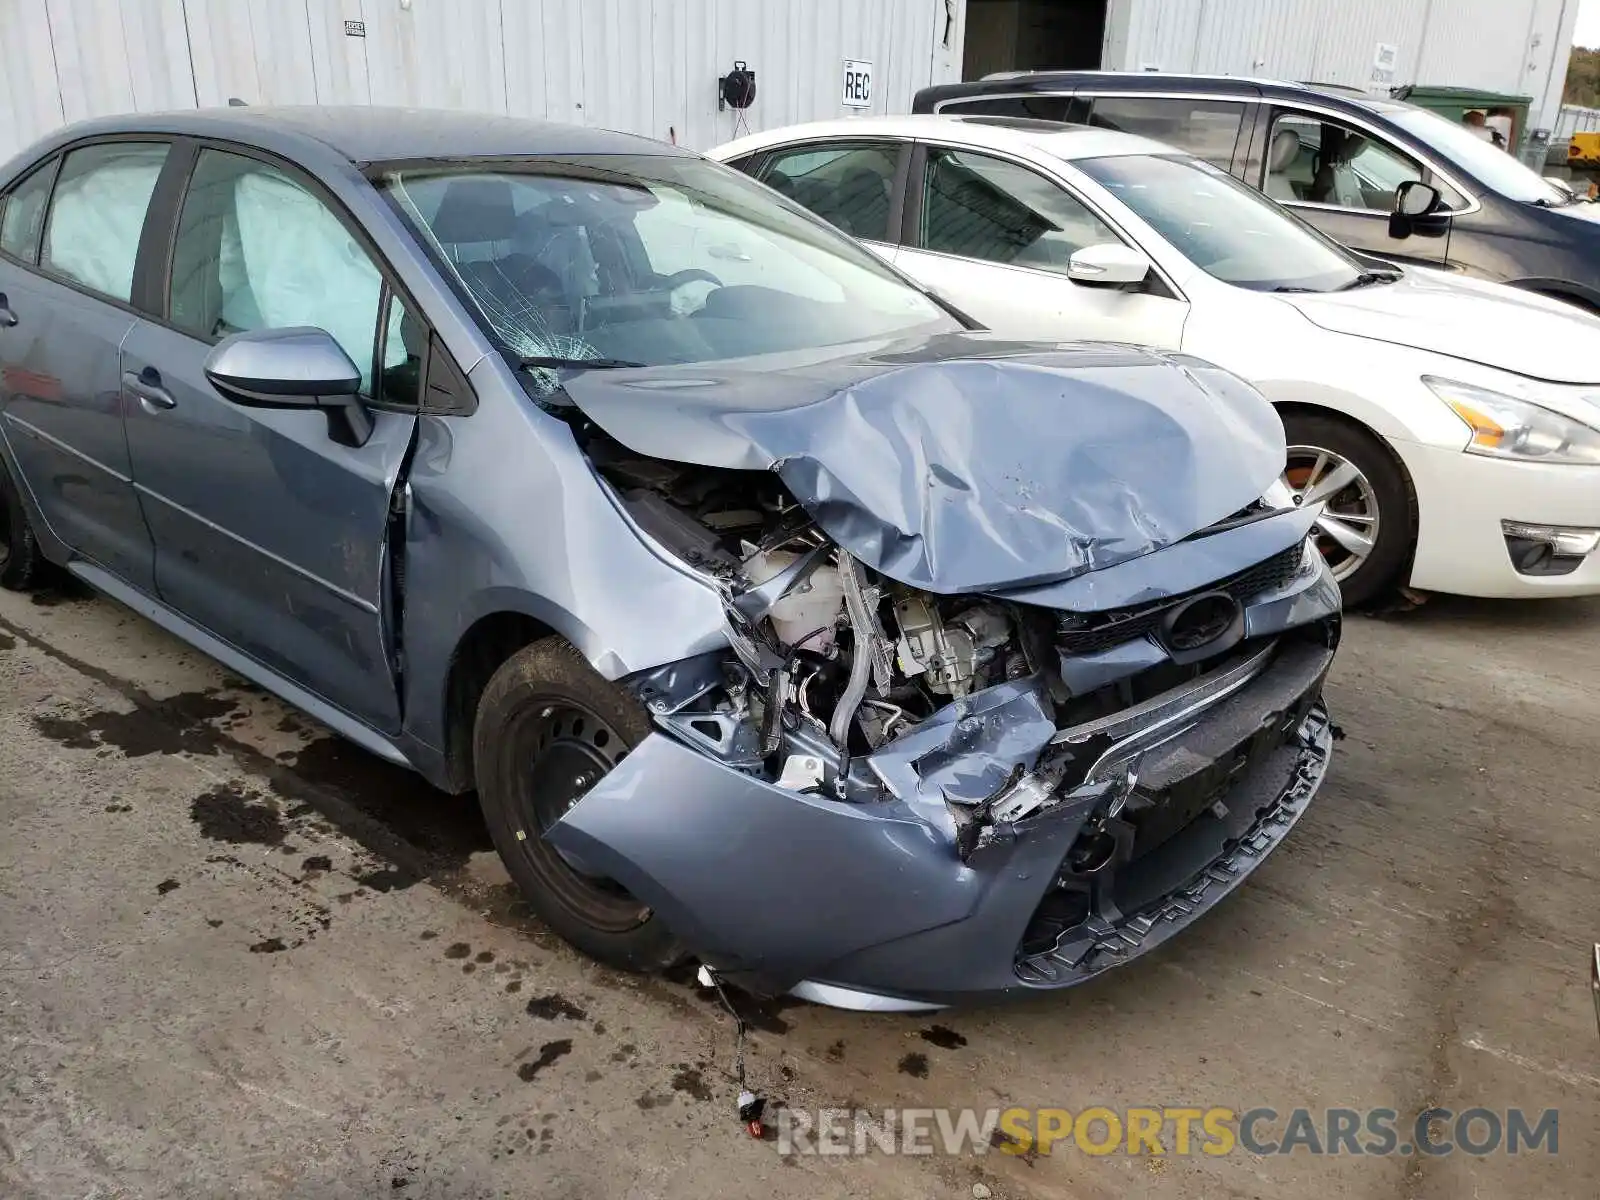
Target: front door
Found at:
x=268, y=532
x=66, y=278
x=1343, y=180
x=994, y=238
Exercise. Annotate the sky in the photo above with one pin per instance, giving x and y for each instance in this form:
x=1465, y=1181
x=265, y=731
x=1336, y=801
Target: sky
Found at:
x=1588, y=31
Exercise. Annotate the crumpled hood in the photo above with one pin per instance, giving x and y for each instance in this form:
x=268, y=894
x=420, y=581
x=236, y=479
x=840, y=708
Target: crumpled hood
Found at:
x=1469, y=319
x=964, y=462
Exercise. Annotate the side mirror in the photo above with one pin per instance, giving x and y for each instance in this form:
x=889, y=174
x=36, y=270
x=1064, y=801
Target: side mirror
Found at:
x=1416, y=211
x=1109, y=265
x=301, y=367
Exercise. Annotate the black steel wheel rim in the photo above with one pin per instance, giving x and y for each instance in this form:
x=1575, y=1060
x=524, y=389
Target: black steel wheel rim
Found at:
x=570, y=749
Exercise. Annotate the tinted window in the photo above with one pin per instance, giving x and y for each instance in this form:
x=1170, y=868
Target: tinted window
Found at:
x=1222, y=226
x=982, y=207
x=97, y=214
x=1320, y=161
x=1043, y=108
x=1208, y=129
x=257, y=250
x=650, y=259
x=848, y=186
x=24, y=214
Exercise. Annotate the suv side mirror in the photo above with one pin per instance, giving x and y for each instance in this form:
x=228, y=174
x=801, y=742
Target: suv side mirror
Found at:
x=1108, y=265
x=301, y=367
x=1416, y=211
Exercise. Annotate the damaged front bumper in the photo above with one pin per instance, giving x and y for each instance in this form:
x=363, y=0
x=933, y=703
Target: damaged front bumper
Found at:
x=1002, y=856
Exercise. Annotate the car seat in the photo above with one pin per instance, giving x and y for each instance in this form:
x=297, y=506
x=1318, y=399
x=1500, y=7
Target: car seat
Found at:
x=862, y=203
x=1285, y=150
x=476, y=215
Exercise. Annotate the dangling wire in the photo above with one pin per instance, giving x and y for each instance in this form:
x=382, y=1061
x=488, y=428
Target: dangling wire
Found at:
x=751, y=1106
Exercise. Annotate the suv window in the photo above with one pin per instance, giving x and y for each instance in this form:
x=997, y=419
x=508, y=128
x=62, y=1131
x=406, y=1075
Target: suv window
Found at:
x=97, y=214
x=982, y=207
x=24, y=214
x=1042, y=108
x=849, y=186
x=1316, y=160
x=1207, y=129
x=257, y=250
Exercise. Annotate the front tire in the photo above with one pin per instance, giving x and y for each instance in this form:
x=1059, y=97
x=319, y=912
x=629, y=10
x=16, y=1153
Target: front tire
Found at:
x=21, y=560
x=1367, y=530
x=548, y=728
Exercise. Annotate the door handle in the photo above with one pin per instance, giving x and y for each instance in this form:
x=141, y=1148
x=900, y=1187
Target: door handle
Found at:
x=146, y=385
x=7, y=317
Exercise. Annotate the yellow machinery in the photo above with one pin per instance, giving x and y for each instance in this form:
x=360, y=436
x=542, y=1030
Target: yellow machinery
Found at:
x=1584, y=150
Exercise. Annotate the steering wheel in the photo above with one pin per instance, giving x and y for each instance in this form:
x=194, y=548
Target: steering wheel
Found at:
x=689, y=275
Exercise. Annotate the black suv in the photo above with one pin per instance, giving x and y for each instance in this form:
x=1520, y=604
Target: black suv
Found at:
x=1341, y=159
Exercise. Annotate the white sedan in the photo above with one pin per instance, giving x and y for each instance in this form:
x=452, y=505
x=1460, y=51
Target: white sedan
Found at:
x=1452, y=427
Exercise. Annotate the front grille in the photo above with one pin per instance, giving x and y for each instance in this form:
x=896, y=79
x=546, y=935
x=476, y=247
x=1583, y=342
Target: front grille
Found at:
x=1088, y=633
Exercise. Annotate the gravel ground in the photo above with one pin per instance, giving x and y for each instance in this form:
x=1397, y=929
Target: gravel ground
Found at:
x=238, y=957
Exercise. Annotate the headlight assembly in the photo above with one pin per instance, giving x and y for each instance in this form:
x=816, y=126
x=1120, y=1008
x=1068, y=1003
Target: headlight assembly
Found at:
x=1506, y=427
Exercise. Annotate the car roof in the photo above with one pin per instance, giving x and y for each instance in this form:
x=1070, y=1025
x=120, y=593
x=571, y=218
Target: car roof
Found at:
x=1067, y=142
x=368, y=134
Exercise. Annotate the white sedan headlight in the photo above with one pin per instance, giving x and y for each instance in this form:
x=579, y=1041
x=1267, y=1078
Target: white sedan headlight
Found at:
x=1506, y=427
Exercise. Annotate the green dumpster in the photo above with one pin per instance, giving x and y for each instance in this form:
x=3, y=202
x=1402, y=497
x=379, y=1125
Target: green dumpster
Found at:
x=1453, y=103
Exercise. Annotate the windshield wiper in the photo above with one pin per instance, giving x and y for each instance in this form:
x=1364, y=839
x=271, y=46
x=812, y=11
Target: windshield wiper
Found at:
x=1291, y=288
x=1367, y=278
x=576, y=364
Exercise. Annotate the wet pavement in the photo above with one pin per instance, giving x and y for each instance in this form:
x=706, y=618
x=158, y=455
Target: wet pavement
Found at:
x=241, y=957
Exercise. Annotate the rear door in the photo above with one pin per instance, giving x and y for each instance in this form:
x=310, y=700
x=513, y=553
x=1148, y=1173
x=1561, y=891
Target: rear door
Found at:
x=70, y=239
x=993, y=236
x=268, y=533
x=858, y=186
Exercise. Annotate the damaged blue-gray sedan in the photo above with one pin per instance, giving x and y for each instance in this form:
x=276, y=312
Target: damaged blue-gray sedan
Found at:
x=776, y=616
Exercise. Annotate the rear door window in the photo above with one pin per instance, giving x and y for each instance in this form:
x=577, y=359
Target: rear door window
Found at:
x=851, y=186
x=97, y=213
x=1207, y=129
x=23, y=218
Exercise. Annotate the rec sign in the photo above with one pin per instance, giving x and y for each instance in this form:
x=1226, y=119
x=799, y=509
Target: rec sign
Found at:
x=857, y=84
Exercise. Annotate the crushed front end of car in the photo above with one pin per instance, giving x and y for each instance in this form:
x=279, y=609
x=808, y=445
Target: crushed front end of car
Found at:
x=1022, y=668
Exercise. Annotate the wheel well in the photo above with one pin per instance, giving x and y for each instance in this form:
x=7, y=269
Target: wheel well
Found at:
x=478, y=656
x=1552, y=292
x=1317, y=410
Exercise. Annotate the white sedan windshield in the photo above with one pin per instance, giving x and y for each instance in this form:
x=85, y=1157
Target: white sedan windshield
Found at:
x=647, y=260
x=1228, y=230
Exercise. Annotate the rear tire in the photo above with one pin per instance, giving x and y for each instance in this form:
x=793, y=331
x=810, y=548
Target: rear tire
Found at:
x=1374, y=503
x=21, y=561
x=548, y=728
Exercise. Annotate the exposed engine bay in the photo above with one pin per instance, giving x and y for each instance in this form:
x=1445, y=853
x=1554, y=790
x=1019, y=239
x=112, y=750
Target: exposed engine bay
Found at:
x=830, y=661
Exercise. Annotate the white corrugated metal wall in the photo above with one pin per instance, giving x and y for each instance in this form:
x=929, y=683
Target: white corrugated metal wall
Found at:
x=1516, y=46
x=648, y=66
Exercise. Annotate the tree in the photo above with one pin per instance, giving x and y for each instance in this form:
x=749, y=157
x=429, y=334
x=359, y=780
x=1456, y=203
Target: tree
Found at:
x=1583, y=78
